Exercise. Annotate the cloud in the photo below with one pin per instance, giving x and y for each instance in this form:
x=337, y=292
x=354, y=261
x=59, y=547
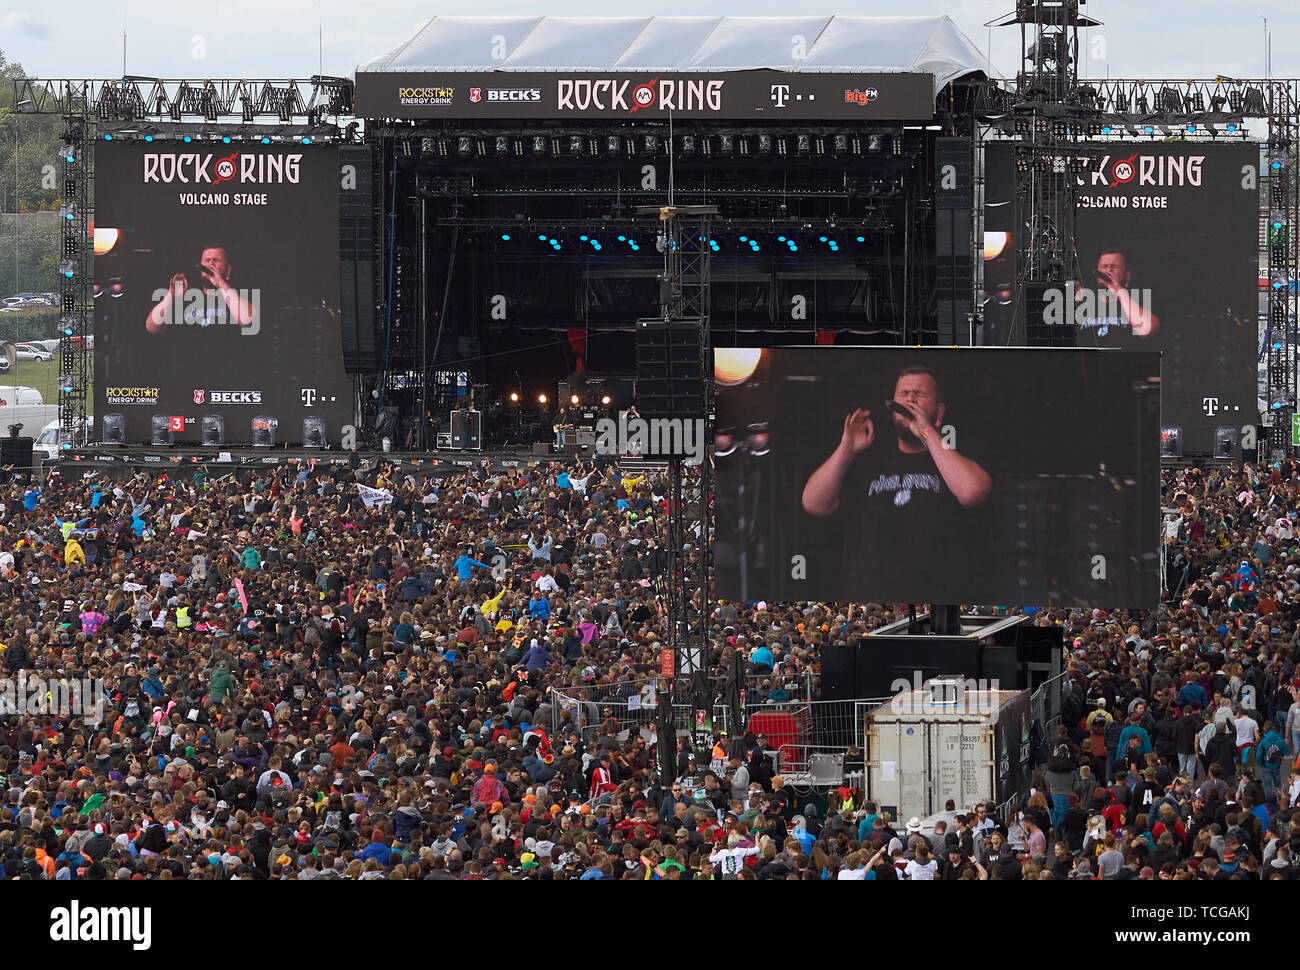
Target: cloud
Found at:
x=19, y=23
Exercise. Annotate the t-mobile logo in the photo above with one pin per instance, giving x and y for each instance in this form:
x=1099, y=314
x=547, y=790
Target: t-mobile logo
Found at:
x=1210, y=405
x=308, y=396
x=780, y=94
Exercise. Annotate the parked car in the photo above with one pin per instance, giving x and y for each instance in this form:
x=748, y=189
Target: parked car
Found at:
x=23, y=352
x=4, y=364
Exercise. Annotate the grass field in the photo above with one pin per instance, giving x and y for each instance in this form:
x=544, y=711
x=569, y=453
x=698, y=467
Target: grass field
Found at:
x=40, y=374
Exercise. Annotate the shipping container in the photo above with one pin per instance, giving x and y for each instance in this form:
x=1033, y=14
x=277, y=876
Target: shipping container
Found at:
x=947, y=741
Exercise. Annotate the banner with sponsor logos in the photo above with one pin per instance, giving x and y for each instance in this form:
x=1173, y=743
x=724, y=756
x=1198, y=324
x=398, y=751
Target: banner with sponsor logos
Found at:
x=1168, y=247
x=725, y=96
x=217, y=290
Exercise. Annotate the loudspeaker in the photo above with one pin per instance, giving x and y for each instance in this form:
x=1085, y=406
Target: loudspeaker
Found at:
x=114, y=429
x=214, y=431
x=1225, y=442
x=160, y=430
x=1041, y=330
x=16, y=452
x=357, y=291
x=313, y=432
x=1171, y=442
x=264, y=431
x=669, y=370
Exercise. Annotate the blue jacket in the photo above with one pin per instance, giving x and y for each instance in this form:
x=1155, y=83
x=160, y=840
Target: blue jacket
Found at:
x=464, y=566
x=540, y=609
x=1266, y=742
x=537, y=658
x=761, y=655
x=1192, y=693
x=375, y=850
x=1135, y=731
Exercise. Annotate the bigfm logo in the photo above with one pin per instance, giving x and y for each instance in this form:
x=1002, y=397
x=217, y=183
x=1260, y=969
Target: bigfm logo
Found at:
x=660, y=94
x=427, y=97
x=861, y=96
x=195, y=168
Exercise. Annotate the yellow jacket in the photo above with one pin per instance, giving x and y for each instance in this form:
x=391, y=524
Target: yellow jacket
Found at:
x=72, y=553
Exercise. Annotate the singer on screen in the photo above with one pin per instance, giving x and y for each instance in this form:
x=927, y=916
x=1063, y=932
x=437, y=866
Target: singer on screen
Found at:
x=214, y=302
x=1117, y=303
x=896, y=494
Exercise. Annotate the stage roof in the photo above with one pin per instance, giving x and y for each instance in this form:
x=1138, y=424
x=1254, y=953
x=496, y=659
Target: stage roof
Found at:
x=867, y=45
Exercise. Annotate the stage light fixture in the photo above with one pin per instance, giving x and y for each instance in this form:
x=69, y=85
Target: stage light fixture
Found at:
x=67, y=324
x=802, y=145
x=464, y=146
x=69, y=211
x=765, y=144
x=726, y=145
x=574, y=400
x=841, y=144
x=688, y=144
x=68, y=154
x=541, y=398
x=575, y=144
x=68, y=268
x=187, y=139
x=539, y=145
x=246, y=111
x=1149, y=130
x=606, y=400
x=612, y=144
x=514, y=397
x=502, y=145
x=108, y=138
x=174, y=110
x=651, y=144
x=225, y=139
x=265, y=140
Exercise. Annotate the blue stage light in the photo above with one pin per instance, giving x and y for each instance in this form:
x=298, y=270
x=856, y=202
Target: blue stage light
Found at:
x=505, y=237
x=862, y=239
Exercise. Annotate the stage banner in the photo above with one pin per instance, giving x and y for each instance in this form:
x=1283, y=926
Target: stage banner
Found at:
x=217, y=289
x=698, y=95
x=1168, y=260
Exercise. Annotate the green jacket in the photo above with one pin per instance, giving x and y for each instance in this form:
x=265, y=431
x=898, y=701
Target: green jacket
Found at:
x=222, y=685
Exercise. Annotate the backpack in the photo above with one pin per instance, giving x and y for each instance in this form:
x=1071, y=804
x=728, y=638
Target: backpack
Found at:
x=1273, y=754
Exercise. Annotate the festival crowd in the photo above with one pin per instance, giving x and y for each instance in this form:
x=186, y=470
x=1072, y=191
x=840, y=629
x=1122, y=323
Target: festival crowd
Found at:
x=350, y=672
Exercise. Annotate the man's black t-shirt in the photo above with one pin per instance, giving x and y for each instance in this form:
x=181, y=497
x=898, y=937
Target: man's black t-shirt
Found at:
x=898, y=516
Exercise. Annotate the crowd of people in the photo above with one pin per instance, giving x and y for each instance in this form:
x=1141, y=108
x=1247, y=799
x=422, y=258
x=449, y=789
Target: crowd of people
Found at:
x=348, y=672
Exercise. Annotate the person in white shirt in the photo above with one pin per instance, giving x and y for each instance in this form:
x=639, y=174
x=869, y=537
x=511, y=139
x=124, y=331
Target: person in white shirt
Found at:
x=732, y=859
x=1247, y=734
x=923, y=867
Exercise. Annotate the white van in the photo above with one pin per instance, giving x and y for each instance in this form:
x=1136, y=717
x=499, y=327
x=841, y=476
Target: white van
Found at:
x=25, y=406
x=50, y=439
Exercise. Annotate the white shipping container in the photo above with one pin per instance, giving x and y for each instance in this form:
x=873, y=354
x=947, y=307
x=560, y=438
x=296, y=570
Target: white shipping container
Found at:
x=921, y=753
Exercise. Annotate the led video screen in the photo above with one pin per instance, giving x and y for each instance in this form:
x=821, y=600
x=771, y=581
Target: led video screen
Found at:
x=217, y=291
x=975, y=476
x=1167, y=238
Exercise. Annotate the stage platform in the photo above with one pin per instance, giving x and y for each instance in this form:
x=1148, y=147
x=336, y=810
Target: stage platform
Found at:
x=119, y=462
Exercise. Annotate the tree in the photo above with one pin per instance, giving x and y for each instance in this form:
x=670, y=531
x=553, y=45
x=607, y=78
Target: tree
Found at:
x=30, y=179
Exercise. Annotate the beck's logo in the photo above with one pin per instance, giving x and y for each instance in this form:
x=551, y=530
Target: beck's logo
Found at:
x=476, y=95
x=198, y=396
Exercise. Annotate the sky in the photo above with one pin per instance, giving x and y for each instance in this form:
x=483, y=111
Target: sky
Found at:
x=1145, y=39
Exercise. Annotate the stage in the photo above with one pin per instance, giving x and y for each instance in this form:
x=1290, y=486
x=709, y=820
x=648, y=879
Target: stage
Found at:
x=117, y=462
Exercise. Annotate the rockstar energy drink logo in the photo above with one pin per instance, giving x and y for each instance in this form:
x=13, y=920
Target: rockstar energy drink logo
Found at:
x=131, y=395
x=428, y=97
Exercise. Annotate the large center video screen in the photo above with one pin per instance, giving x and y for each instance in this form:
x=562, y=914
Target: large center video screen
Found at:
x=1168, y=246
x=976, y=476
x=217, y=292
